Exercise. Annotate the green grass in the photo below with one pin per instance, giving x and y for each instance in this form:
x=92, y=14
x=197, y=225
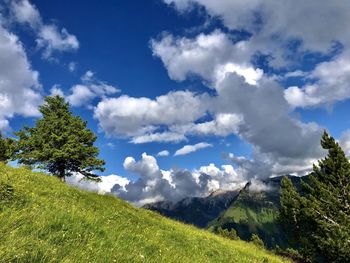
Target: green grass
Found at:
x=44, y=220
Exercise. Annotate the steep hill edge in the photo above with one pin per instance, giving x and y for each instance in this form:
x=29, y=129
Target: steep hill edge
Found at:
x=44, y=220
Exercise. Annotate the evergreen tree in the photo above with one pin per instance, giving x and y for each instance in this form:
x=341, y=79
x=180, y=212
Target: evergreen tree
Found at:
x=321, y=216
x=7, y=148
x=59, y=143
x=289, y=215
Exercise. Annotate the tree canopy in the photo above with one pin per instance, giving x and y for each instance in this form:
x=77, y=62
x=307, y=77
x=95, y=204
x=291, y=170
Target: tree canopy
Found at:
x=319, y=217
x=6, y=148
x=60, y=142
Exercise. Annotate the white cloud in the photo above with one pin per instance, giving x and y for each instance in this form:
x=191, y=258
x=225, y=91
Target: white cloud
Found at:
x=295, y=74
x=51, y=39
x=254, y=108
x=155, y=184
x=49, y=36
x=331, y=85
x=91, y=88
x=192, y=148
x=80, y=95
x=56, y=90
x=159, y=137
x=226, y=178
x=317, y=24
x=259, y=186
x=313, y=26
x=20, y=90
x=223, y=124
x=104, y=186
x=25, y=12
x=144, y=119
x=163, y=153
x=140, y=118
x=210, y=56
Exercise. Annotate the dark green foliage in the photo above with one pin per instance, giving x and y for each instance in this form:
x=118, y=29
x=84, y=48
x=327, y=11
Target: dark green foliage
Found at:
x=230, y=234
x=290, y=253
x=59, y=143
x=290, y=211
x=255, y=239
x=320, y=217
x=7, y=148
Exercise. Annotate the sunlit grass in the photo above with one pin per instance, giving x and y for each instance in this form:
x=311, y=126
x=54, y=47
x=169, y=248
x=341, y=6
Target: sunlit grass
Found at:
x=49, y=221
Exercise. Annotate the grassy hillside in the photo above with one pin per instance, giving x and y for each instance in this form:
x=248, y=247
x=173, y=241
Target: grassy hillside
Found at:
x=44, y=220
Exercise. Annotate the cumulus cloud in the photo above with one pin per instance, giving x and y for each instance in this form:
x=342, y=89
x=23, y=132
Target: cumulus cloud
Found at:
x=192, y=148
x=210, y=56
x=20, y=90
x=49, y=36
x=275, y=27
x=155, y=184
x=172, y=117
x=142, y=118
x=317, y=25
x=329, y=83
x=104, y=186
x=257, y=111
x=224, y=178
x=91, y=88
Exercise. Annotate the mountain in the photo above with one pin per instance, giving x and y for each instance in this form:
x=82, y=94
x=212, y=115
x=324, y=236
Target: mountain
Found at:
x=256, y=211
x=198, y=211
x=45, y=220
x=250, y=210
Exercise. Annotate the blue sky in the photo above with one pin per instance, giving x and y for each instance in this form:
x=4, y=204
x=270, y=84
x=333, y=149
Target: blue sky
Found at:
x=248, y=86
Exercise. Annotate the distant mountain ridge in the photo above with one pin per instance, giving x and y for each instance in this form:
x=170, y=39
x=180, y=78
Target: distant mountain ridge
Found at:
x=247, y=210
x=198, y=211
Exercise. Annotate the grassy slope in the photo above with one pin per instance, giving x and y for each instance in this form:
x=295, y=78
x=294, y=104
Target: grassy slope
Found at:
x=52, y=222
x=253, y=213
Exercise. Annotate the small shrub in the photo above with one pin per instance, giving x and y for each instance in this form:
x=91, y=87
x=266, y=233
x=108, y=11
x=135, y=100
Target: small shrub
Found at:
x=255, y=239
x=230, y=234
x=290, y=253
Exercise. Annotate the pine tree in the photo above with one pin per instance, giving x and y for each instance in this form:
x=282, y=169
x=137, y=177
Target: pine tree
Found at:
x=7, y=148
x=290, y=210
x=321, y=216
x=59, y=143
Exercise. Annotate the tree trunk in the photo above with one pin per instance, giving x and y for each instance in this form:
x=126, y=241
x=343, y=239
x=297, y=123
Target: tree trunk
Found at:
x=62, y=174
x=63, y=179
